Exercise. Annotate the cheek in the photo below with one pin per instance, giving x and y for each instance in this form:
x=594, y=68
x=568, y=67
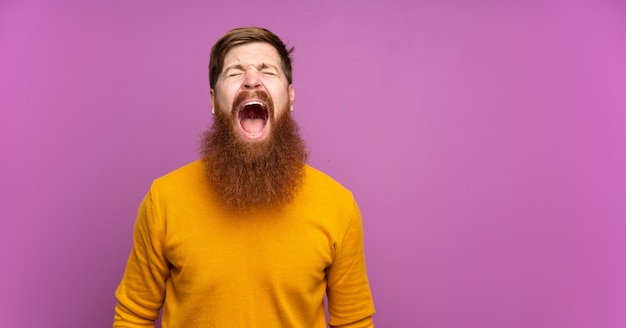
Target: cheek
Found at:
x=225, y=100
x=284, y=103
x=280, y=96
x=225, y=94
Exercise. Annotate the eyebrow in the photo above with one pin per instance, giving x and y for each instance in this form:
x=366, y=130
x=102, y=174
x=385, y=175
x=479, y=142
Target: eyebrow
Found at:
x=259, y=67
x=263, y=65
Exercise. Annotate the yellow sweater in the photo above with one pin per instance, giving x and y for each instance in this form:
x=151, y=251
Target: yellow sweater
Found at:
x=207, y=267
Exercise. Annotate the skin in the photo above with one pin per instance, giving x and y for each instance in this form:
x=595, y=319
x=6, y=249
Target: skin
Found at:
x=250, y=67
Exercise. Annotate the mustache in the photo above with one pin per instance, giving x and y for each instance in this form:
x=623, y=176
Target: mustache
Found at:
x=254, y=94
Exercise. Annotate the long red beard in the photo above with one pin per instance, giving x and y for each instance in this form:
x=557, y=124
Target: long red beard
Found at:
x=248, y=175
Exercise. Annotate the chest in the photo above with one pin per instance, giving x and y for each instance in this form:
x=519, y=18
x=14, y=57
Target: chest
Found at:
x=213, y=254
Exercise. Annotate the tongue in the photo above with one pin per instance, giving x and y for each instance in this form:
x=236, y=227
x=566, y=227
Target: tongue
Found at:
x=252, y=124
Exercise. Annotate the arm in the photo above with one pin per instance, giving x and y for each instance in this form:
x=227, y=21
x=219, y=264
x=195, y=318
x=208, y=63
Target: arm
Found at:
x=140, y=294
x=350, y=302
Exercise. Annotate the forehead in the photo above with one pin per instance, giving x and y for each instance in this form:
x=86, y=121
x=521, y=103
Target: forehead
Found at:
x=252, y=54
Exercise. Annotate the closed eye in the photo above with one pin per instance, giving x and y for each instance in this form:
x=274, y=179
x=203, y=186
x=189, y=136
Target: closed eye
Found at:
x=269, y=71
x=233, y=71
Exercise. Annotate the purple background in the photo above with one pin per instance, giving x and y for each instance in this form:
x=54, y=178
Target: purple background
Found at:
x=484, y=141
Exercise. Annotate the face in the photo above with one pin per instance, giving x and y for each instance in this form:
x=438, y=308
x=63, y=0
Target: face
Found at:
x=253, y=90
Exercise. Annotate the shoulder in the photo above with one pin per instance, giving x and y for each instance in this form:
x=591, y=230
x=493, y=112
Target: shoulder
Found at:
x=321, y=188
x=189, y=172
x=320, y=180
x=185, y=180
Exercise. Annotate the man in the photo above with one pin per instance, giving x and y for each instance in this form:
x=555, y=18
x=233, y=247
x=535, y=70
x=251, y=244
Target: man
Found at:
x=248, y=236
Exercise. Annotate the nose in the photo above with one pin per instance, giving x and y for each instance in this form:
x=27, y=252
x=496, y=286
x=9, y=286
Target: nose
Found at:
x=252, y=79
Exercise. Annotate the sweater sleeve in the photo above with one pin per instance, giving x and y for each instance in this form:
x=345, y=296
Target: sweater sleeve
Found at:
x=350, y=302
x=142, y=289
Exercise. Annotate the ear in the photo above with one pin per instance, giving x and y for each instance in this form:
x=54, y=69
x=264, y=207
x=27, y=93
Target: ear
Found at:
x=292, y=95
x=212, y=98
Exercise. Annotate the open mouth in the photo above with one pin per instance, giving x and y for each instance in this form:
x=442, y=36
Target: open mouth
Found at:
x=253, y=120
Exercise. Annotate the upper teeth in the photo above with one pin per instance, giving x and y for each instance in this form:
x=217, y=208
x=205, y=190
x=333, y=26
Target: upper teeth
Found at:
x=254, y=103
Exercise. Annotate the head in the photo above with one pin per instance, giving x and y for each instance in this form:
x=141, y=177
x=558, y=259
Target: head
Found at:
x=246, y=35
x=253, y=154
